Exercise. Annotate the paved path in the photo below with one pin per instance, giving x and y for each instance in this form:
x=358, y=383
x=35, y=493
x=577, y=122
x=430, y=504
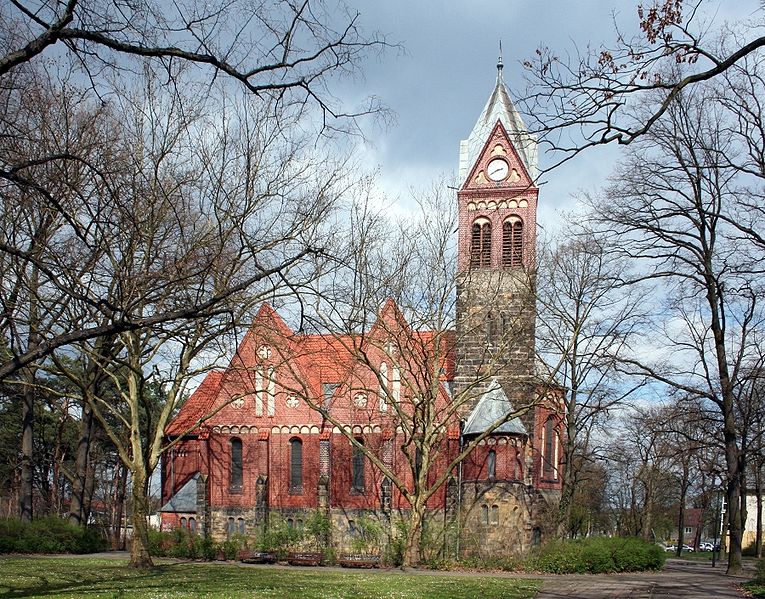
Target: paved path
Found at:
x=679, y=579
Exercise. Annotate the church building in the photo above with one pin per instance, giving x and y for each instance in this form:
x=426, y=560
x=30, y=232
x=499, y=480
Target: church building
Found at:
x=349, y=425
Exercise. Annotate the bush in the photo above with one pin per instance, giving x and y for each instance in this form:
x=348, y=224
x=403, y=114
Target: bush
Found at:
x=596, y=555
x=761, y=570
x=396, y=548
x=48, y=535
x=160, y=542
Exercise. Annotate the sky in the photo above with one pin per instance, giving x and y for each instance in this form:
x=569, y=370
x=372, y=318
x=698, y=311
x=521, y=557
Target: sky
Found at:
x=438, y=84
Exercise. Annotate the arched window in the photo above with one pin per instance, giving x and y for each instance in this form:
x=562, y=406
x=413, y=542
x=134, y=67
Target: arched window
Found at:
x=296, y=466
x=383, y=386
x=484, y=514
x=193, y=525
x=236, y=465
x=480, y=243
x=512, y=242
x=357, y=466
x=491, y=463
x=495, y=514
x=548, y=458
x=230, y=528
x=396, y=384
x=183, y=522
x=241, y=526
x=536, y=536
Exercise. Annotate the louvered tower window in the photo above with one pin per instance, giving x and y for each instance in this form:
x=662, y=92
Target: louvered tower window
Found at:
x=512, y=242
x=480, y=244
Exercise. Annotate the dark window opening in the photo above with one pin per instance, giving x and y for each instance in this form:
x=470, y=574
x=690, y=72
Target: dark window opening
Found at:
x=357, y=465
x=296, y=466
x=548, y=468
x=417, y=463
x=236, y=465
x=491, y=463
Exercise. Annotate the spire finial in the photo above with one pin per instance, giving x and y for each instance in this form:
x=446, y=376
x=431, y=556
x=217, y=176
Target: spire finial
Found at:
x=499, y=61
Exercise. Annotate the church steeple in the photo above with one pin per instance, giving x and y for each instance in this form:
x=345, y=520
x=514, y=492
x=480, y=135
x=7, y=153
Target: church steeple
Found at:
x=499, y=108
x=497, y=207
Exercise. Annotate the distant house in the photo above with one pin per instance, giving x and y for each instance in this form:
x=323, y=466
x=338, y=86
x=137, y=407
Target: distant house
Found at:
x=750, y=527
x=693, y=527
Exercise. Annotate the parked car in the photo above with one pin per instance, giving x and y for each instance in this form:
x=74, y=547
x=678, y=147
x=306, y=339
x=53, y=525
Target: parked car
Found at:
x=706, y=546
x=688, y=548
x=671, y=548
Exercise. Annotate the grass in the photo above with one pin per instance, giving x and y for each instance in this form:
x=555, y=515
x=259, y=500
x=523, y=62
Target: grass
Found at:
x=756, y=589
x=110, y=578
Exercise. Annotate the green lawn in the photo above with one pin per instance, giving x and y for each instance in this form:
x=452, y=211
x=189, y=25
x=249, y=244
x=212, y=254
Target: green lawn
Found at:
x=91, y=577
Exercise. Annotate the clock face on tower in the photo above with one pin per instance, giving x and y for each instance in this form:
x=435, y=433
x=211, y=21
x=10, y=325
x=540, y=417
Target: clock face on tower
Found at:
x=497, y=170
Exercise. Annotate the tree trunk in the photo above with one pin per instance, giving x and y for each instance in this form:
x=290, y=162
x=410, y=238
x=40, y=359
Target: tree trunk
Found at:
x=568, y=478
x=412, y=553
x=26, y=485
x=733, y=496
x=139, y=548
x=681, y=525
x=78, y=508
x=118, y=507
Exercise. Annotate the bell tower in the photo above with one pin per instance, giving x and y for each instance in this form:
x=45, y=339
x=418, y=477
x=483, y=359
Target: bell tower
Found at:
x=497, y=207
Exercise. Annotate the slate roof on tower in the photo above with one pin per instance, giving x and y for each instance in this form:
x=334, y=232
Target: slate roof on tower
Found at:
x=499, y=108
x=493, y=406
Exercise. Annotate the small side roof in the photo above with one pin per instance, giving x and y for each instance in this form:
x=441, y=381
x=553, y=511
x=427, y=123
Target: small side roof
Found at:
x=493, y=406
x=185, y=499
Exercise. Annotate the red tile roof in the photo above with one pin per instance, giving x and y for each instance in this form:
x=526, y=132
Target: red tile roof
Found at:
x=199, y=404
x=312, y=360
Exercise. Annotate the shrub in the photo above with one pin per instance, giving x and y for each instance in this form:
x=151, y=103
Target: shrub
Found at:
x=761, y=570
x=48, y=535
x=160, y=542
x=596, y=555
x=396, y=548
x=279, y=538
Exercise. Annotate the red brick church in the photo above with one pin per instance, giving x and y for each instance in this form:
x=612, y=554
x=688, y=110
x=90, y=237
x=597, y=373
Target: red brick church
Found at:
x=300, y=422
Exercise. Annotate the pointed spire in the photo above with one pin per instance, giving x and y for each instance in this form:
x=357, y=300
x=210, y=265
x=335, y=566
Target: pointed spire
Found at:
x=500, y=66
x=499, y=107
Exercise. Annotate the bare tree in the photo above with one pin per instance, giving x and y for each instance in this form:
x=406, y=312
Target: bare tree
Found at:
x=192, y=204
x=84, y=53
x=587, y=318
x=642, y=486
x=615, y=93
x=284, y=53
x=402, y=363
x=669, y=209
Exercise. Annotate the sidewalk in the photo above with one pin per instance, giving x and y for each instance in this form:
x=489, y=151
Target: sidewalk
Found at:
x=680, y=579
